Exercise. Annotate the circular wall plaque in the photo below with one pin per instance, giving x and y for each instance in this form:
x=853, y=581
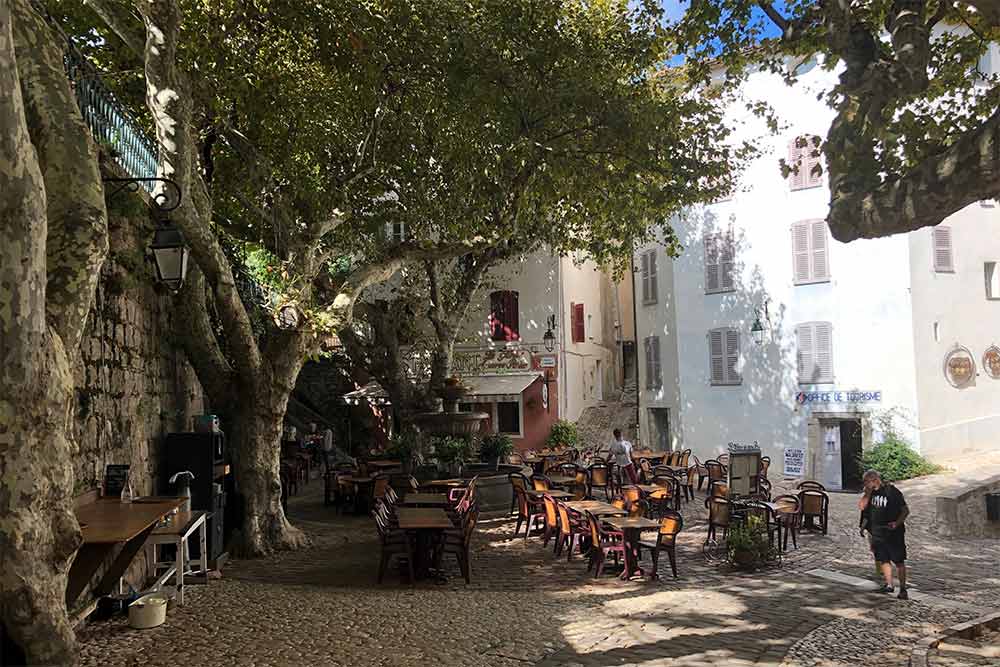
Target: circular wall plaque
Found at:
x=959, y=367
x=991, y=362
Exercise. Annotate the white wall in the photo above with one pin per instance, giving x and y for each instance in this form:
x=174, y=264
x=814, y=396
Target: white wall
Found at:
x=954, y=421
x=867, y=300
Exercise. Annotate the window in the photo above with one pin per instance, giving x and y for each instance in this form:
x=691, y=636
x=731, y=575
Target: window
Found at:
x=810, y=252
x=577, y=323
x=504, y=316
x=509, y=418
x=815, y=352
x=724, y=353
x=992, y=275
x=720, y=250
x=395, y=232
x=944, y=258
x=804, y=158
x=650, y=290
x=654, y=374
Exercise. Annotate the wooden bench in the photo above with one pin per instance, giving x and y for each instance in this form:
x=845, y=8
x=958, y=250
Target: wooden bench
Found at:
x=177, y=532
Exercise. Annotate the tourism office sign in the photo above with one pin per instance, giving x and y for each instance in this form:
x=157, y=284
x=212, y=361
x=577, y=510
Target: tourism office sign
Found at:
x=841, y=397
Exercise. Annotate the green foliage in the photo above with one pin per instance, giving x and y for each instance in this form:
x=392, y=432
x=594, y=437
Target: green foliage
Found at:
x=495, y=446
x=563, y=434
x=894, y=457
x=452, y=449
x=406, y=446
x=748, y=544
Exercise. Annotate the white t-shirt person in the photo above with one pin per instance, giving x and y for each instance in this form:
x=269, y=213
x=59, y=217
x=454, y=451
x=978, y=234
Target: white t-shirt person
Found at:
x=621, y=449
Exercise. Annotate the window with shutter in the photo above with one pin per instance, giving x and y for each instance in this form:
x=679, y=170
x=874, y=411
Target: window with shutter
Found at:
x=944, y=259
x=804, y=157
x=657, y=371
x=810, y=252
x=724, y=356
x=720, y=255
x=578, y=323
x=654, y=377
x=814, y=354
x=711, y=264
x=504, y=316
x=650, y=290
x=726, y=263
x=395, y=232
x=796, y=179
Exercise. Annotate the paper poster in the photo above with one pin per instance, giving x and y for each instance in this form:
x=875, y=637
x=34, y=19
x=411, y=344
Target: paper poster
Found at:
x=795, y=461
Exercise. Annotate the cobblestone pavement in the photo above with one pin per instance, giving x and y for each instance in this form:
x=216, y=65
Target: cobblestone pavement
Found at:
x=321, y=605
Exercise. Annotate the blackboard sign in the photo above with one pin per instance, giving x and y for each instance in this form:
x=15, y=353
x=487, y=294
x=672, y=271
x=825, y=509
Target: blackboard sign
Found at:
x=115, y=477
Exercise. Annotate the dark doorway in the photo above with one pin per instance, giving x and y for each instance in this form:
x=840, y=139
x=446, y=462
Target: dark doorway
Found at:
x=850, y=454
x=628, y=359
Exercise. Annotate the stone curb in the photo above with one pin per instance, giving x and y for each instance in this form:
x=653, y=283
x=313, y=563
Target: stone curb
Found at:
x=967, y=630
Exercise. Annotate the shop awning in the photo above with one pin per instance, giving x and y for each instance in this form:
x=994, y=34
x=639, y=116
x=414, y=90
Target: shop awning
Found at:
x=498, y=388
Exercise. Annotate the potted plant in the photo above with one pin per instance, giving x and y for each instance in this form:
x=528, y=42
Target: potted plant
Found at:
x=563, y=434
x=404, y=446
x=495, y=447
x=450, y=452
x=748, y=545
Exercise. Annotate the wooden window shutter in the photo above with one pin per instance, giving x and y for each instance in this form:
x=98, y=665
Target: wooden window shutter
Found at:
x=572, y=321
x=648, y=348
x=732, y=356
x=717, y=356
x=804, y=353
x=820, y=250
x=654, y=294
x=644, y=262
x=657, y=371
x=504, y=316
x=796, y=180
x=726, y=260
x=512, y=315
x=823, y=347
x=496, y=316
x=579, y=323
x=711, y=263
x=944, y=260
x=811, y=159
x=800, y=252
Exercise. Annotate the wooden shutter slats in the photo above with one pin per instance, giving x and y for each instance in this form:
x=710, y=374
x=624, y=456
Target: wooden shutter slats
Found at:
x=717, y=356
x=814, y=354
x=726, y=262
x=804, y=352
x=711, y=263
x=942, y=248
x=578, y=322
x=820, y=252
x=823, y=338
x=800, y=252
x=654, y=294
x=732, y=356
x=657, y=371
x=645, y=276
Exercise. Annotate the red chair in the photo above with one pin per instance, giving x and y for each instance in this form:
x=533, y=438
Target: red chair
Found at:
x=571, y=532
x=602, y=543
x=459, y=544
x=529, y=512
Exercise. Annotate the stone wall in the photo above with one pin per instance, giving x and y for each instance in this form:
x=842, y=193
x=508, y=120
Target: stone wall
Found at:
x=962, y=511
x=133, y=383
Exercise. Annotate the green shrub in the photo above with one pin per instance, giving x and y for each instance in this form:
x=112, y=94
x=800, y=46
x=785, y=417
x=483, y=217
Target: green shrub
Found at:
x=405, y=446
x=495, y=446
x=450, y=449
x=749, y=546
x=563, y=434
x=894, y=458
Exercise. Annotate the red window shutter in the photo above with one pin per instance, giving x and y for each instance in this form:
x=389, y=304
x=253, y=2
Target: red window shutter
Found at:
x=504, y=316
x=579, y=323
x=512, y=316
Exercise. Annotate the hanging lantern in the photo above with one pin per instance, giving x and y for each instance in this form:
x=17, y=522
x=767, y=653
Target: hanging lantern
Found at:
x=170, y=254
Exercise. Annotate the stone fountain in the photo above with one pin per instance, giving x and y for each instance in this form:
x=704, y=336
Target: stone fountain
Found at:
x=448, y=420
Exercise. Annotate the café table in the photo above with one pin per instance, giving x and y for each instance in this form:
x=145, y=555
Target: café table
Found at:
x=631, y=527
x=425, y=500
x=446, y=484
x=654, y=457
x=561, y=480
x=425, y=523
x=556, y=495
x=385, y=464
x=108, y=524
x=595, y=507
x=361, y=484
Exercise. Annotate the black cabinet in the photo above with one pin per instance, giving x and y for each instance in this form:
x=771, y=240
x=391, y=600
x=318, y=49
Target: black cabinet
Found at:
x=204, y=454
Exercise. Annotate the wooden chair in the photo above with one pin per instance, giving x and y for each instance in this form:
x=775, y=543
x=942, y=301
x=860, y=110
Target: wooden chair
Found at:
x=600, y=478
x=671, y=523
x=528, y=512
x=602, y=543
x=393, y=542
x=790, y=517
x=688, y=483
x=671, y=497
x=568, y=469
x=768, y=519
x=719, y=514
x=631, y=494
x=571, y=532
x=685, y=458
x=809, y=484
x=645, y=470
x=701, y=470
x=716, y=471
x=638, y=508
x=551, y=521
x=763, y=489
x=814, y=505
x=765, y=463
x=541, y=483
x=515, y=459
x=460, y=547
x=723, y=459
x=517, y=480
x=718, y=489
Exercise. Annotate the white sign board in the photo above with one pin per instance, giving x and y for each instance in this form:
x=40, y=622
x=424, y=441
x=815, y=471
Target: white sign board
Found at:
x=795, y=461
x=547, y=362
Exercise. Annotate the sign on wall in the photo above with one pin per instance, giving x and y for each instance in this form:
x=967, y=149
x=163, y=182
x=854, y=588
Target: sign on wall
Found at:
x=991, y=362
x=497, y=362
x=547, y=361
x=959, y=367
x=795, y=461
x=839, y=396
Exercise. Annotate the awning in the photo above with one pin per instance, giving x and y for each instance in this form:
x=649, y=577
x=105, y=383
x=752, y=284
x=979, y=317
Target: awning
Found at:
x=498, y=388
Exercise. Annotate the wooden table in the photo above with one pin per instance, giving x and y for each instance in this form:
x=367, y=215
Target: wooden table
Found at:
x=105, y=524
x=424, y=522
x=556, y=495
x=595, y=507
x=360, y=499
x=444, y=483
x=181, y=527
x=631, y=527
x=426, y=500
x=649, y=454
x=561, y=480
x=385, y=464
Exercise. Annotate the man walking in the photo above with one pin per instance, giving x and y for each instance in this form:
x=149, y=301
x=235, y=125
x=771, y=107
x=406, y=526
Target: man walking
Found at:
x=621, y=449
x=883, y=511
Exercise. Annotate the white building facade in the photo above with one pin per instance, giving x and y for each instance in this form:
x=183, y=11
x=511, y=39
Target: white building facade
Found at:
x=846, y=332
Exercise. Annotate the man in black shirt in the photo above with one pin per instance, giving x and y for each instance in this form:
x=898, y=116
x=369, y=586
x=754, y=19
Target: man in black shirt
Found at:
x=883, y=511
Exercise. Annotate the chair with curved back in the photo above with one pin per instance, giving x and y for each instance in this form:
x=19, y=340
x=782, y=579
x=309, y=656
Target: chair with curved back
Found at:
x=809, y=484
x=814, y=504
x=723, y=459
x=768, y=519
x=631, y=494
x=701, y=470
x=718, y=489
x=685, y=458
x=602, y=543
x=673, y=493
x=790, y=517
x=645, y=470
x=600, y=478
x=716, y=471
x=639, y=508
x=568, y=469
x=515, y=459
x=763, y=489
x=765, y=463
x=541, y=483
x=719, y=513
x=393, y=542
x=517, y=480
x=460, y=546
x=671, y=523
x=571, y=532
x=551, y=520
x=528, y=512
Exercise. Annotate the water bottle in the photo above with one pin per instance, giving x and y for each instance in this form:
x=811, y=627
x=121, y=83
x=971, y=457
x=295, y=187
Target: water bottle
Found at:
x=127, y=492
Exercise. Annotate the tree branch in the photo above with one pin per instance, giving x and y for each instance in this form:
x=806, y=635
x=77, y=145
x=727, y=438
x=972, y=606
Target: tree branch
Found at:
x=118, y=16
x=198, y=338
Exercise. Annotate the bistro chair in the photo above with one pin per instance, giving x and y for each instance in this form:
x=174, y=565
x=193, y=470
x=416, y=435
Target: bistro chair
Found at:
x=723, y=459
x=393, y=542
x=809, y=484
x=660, y=501
x=763, y=489
x=571, y=531
x=718, y=489
x=638, y=508
x=460, y=546
x=716, y=471
x=815, y=505
x=515, y=459
x=541, y=483
x=671, y=523
x=701, y=470
x=685, y=458
x=631, y=494
x=568, y=469
x=600, y=478
x=789, y=516
x=529, y=512
x=645, y=470
x=719, y=513
x=765, y=463
x=673, y=490
x=688, y=483
x=517, y=480
x=663, y=470
x=551, y=521
x=602, y=543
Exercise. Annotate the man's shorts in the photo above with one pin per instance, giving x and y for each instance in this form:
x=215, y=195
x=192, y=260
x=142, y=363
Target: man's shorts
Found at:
x=890, y=547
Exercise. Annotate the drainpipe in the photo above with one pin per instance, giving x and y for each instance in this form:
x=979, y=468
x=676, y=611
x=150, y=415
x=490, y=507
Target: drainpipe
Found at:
x=635, y=345
x=562, y=338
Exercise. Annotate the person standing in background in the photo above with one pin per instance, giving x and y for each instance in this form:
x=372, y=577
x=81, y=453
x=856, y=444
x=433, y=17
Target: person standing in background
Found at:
x=621, y=450
x=883, y=512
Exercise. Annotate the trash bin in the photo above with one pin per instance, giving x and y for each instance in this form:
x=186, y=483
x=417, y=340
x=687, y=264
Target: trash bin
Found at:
x=993, y=506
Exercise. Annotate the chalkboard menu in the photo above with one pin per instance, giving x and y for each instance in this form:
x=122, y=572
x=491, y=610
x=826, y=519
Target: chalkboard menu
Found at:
x=115, y=477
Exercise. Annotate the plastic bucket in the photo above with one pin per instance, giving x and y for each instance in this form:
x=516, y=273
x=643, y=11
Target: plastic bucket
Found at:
x=148, y=611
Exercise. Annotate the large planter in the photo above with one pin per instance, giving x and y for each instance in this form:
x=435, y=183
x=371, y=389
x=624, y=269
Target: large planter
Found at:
x=449, y=423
